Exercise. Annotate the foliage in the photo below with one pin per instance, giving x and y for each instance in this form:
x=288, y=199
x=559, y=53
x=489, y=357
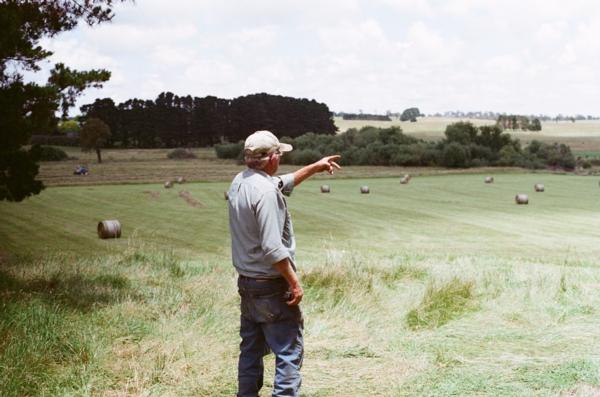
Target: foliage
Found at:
x=365, y=116
x=465, y=146
x=519, y=122
x=56, y=140
x=410, y=114
x=69, y=127
x=181, y=154
x=27, y=107
x=229, y=150
x=171, y=120
x=454, y=155
x=50, y=153
x=94, y=136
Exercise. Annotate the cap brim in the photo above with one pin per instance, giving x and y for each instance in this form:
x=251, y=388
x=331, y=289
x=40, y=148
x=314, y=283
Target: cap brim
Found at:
x=285, y=147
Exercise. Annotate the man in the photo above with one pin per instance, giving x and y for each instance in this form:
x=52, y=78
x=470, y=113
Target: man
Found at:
x=263, y=248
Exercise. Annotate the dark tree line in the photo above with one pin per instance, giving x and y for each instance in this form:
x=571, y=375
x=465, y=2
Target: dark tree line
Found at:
x=365, y=116
x=177, y=121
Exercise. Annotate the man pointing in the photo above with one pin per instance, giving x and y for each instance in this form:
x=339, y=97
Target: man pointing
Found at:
x=263, y=248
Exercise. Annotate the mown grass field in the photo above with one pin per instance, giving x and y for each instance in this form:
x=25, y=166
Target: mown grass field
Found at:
x=440, y=287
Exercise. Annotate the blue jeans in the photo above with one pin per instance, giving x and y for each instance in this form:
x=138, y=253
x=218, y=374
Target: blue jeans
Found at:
x=267, y=323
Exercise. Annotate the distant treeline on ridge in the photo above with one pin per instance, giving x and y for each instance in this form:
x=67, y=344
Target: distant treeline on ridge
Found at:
x=186, y=121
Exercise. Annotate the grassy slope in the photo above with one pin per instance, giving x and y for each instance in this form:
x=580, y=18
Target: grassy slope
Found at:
x=458, y=213
x=158, y=315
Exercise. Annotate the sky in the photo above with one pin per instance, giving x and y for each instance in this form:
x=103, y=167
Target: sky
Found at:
x=513, y=56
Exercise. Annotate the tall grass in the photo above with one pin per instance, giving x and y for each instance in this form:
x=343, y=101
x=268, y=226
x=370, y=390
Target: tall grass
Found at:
x=442, y=304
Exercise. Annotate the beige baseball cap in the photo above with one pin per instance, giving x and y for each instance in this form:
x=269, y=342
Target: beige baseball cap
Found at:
x=262, y=143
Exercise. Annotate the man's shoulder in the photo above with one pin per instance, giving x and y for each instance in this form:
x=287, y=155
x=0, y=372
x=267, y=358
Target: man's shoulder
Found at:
x=257, y=181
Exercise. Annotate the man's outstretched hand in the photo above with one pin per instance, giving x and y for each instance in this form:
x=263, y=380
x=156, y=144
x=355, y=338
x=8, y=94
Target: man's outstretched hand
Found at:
x=328, y=164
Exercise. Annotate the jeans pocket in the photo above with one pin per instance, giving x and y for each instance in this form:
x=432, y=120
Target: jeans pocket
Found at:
x=266, y=309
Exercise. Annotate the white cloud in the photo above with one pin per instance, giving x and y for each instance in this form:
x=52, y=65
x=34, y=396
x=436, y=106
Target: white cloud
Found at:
x=386, y=54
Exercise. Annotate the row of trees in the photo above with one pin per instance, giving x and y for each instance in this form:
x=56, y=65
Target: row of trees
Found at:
x=464, y=145
x=365, y=116
x=489, y=115
x=409, y=114
x=171, y=120
x=518, y=122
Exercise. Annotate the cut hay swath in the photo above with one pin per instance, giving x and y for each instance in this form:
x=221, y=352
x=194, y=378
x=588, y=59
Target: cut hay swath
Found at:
x=364, y=190
x=521, y=199
x=109, y=229
x=325, y=189
x=489, y=179
x=539, y=187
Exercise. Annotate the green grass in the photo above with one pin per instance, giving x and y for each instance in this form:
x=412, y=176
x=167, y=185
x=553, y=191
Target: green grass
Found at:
x=442, y=304
x=443, y=286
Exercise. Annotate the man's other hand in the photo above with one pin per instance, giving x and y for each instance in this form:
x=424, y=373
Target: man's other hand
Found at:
x=296, y=295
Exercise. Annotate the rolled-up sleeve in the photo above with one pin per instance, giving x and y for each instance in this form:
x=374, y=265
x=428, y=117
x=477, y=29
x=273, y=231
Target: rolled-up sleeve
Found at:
x=286, y=183
x=270, y=226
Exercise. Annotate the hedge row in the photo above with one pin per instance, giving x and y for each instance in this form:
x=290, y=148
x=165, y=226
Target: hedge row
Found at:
x=464, y=145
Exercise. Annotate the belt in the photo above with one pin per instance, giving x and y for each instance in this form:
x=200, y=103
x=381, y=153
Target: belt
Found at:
x=261, y=278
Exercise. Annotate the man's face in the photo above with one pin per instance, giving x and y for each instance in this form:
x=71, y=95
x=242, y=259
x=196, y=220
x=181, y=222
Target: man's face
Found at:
x=275, y=158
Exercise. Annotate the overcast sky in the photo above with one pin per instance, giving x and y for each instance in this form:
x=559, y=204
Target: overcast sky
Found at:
x=516, y=56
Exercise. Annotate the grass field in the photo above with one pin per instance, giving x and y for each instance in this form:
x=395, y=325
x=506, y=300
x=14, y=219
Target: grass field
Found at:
x=440, y=287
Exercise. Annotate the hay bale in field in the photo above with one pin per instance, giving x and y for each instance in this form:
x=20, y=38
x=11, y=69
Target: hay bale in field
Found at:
x=489, y=179
x=539, y=187
x=109, y=229
x=168, y=184
x=180, y=179
x=521, y=199
x=364, y=189
x=325, y=189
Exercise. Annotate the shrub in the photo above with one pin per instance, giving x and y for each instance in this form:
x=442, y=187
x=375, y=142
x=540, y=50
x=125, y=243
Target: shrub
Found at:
x=454, y=155
x=230, y=150
x=302, y=157
x=586, y=164
x=181, y=154
x=50, y=153
x=58, y=140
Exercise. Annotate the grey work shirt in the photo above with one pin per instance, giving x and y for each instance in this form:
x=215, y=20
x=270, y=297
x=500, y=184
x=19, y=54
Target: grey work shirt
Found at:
x=260, y=223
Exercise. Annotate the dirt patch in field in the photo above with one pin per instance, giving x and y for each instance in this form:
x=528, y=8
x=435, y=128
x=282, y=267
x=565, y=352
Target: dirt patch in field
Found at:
x=152, y=194
x=187, y=196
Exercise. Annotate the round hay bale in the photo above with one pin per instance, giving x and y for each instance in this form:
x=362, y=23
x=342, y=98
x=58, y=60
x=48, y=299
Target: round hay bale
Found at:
x=364, y=189
x=489, y=179
x=226, y=195
x=180, y=179
x=109, y=229
x=168, y=184
x=521, y=199
x=325, y=189
x=539, y=187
